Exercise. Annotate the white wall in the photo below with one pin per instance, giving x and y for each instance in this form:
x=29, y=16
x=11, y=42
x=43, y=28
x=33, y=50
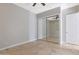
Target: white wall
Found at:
x=65, y=11
x=17, y=25
x=72, y=28
x=32, y=26
x=41, y=28
x=44, y=27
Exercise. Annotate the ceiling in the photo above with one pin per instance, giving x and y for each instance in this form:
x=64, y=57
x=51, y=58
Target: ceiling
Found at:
x=39, y=8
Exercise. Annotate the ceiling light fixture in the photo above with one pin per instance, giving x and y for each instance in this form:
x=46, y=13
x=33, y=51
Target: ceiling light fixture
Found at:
x=43, y=4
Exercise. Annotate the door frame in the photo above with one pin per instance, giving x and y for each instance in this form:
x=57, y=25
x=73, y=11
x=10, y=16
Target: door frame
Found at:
x=59, y=27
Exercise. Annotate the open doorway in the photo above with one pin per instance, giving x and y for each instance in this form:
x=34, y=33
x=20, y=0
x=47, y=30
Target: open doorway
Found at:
x=49, y=28
x=52, y=29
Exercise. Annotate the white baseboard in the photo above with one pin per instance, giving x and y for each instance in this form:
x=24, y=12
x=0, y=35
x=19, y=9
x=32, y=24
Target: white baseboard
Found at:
x=18, y=44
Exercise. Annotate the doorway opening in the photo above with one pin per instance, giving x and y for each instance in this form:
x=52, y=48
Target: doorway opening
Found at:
x=49, y=29
x=52, y=29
